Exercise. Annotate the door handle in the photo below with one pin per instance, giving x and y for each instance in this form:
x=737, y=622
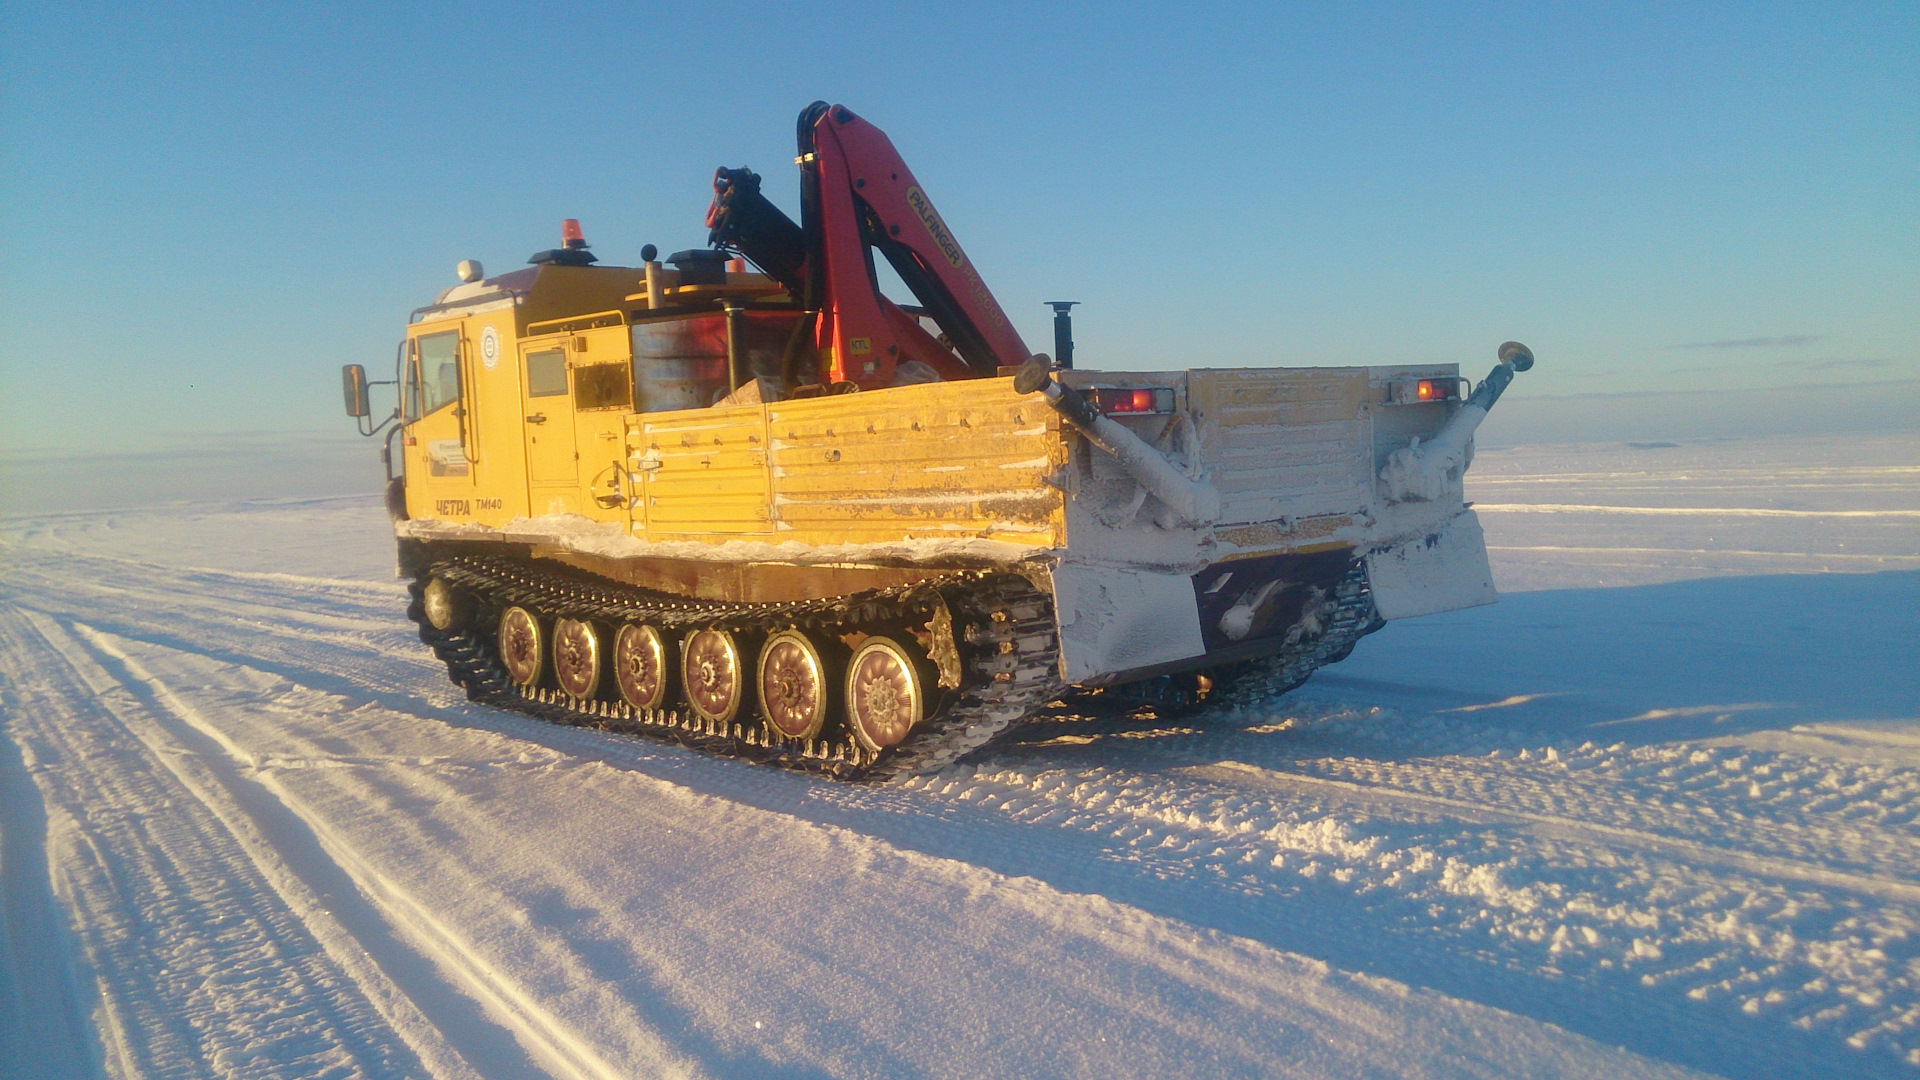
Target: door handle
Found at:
x=537, y=418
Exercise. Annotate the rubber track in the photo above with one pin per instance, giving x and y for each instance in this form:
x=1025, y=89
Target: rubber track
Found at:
x=1344, y=617
x=1003, y=628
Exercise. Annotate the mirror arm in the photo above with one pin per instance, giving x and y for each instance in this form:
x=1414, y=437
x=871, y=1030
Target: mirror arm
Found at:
x=375, y=429
x=365, y=423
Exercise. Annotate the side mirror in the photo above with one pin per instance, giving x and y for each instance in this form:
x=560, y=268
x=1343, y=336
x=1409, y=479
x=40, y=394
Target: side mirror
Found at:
x=353, y=382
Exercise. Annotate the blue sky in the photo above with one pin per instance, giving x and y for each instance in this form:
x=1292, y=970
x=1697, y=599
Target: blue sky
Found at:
x=206, y=209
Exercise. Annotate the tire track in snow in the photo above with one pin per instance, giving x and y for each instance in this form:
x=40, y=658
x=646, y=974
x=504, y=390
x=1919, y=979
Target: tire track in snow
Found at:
x=1564, y=828
x=1680, y=794
x=206, y=963
x=1849, y=818
x=162, y=608
x=389, y=667
x=286, y=602
x=1694, y=795
x=361, y=644
x=777, y=949
x=46, y=996
x=549, y=1040
x=1833, y=957
x=1624, y=552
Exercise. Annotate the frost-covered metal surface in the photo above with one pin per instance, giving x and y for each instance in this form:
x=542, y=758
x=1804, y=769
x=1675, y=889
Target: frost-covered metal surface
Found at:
x=1118, y=620
x=1285, y=444
x=1431, y=468
x=1444, y=571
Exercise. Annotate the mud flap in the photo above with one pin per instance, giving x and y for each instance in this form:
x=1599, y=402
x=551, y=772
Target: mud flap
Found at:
x=1114, y=620
x=1444, y=571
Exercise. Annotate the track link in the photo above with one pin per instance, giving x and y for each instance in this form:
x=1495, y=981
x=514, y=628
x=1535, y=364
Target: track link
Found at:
x=1325, y=635
x=1003, y=632
x=1002, y=627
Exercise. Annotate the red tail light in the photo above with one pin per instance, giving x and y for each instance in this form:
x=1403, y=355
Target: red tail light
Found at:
x=1414, y=391
x=1110, y=399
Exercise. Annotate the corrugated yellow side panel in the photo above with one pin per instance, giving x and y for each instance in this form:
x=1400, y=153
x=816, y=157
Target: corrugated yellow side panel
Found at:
x=960, y=459
x=919, y=462
x=1284, y=442
x=712, y=477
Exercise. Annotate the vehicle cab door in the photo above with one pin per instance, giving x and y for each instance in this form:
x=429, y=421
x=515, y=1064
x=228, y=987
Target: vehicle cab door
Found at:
x=553, y=465
x=439, y=465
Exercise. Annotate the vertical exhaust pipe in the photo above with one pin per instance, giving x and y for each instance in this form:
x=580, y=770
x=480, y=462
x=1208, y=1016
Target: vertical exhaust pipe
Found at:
x=1063, y=332
x=737, y=374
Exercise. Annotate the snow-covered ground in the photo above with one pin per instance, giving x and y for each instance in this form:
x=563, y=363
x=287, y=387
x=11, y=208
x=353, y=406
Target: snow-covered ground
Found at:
x=1657, y=813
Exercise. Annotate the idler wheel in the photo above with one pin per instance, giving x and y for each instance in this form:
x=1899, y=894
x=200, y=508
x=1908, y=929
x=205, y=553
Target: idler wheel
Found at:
x=520, y=645
x=793, y=686
x=442, y=605
x=713, y=675
x=640, y=666
x=885, y=695
x=576, y=658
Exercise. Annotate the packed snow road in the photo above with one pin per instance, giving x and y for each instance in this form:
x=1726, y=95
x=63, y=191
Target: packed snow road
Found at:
x=1656, y=813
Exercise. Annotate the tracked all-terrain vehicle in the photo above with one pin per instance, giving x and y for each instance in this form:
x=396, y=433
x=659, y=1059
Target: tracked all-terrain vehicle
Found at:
x=773, y=513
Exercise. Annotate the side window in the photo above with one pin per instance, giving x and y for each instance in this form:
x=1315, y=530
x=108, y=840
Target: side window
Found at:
x=439, y=371
x=546, y=373
x=602, y=386
x=680, y=363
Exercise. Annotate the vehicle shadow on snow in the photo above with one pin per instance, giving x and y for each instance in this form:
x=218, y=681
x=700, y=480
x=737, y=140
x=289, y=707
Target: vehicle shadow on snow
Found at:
x=1658, y=663
x=1643, y=665
x=1639, y=666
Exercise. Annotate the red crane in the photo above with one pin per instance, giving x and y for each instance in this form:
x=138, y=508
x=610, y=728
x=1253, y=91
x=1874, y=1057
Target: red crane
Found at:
x=857, y=197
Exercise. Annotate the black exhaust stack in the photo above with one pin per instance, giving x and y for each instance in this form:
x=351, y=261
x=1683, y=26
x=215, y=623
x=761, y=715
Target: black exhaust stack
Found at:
x=1063, y=331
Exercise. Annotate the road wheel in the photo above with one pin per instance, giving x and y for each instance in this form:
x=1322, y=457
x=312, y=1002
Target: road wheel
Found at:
x=442, y=604
x=520, y=645
x=640, y=666
x=885, y=694
x=794, y=686
x=713, y=676
x=576, y=658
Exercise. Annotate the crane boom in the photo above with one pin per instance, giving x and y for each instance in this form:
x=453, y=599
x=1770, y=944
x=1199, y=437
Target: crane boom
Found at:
x=858, y=196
